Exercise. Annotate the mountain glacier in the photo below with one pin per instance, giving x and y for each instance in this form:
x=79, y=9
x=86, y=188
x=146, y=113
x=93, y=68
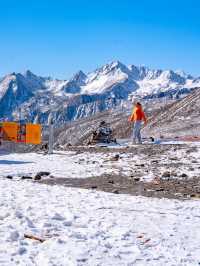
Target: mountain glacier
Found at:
x=27, y=96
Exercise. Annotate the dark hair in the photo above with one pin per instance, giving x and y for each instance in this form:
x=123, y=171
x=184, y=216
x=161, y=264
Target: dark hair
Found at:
x=138, y=103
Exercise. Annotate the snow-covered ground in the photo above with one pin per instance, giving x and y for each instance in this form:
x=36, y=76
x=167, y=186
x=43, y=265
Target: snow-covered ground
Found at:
x=66, y=164
x=89, y=228
x=59, y=164
x=94, y=228
x=71, y=164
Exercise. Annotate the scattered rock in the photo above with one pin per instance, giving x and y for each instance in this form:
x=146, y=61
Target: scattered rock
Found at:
x=9, y=177
x=173, y=159
x=166, y=174
x=174, y=173
x=115, y=191
x=196, y=196
x=37, y=177
x=191, y=169
x=140, y=165
x=115, y=158
x=183, y=175
x=26, y=177
x=194, y=161
x=69, y=144
x=160, y=189
x=43, y=173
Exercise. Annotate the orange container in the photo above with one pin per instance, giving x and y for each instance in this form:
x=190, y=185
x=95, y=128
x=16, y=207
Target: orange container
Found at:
x=33, y=133
x=10, y=131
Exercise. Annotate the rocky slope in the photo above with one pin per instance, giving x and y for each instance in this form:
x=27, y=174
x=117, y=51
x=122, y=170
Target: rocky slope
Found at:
x=171, y=119
x=79, y=132
x=180, y=119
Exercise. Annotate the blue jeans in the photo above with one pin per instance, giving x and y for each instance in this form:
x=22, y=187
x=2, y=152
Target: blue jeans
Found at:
x=137, y=131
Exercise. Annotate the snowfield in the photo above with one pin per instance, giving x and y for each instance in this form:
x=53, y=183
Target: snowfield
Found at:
x=89, y=228
x=65, y=164
x=83, y=227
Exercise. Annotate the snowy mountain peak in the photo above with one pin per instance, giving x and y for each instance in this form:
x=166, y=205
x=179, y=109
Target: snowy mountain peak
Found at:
x=83, y=95
x=172, y=76
x=117, y=65
x=79, y=77
x=183, y=74
x=28, y=73
x=111, y=67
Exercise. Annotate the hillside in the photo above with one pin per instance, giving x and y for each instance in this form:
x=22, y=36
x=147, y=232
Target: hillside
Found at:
x=166, y=119
x=78, y=132
x=180, y=119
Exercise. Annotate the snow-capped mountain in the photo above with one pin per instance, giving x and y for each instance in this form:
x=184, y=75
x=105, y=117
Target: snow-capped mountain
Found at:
x=27, y=95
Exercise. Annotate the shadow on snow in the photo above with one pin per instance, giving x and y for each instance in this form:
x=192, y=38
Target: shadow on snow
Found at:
x=13, y=162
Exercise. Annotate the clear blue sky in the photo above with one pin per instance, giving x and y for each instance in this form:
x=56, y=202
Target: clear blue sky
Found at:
x=60, y=37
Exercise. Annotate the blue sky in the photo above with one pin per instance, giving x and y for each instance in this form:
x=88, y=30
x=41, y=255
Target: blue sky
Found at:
x=60, y=37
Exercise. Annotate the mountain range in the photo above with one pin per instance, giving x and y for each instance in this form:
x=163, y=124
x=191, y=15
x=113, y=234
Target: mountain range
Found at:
x=28, y=97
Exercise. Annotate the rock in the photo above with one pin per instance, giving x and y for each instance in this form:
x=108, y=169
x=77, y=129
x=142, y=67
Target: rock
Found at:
x=173, y=159
x=111, y=182
x=140, y=165
x=196, y=196
x=9, y=177
x=191, y=169
x=136, y=179
x=43, y=173
x=183, y=175
x=69, y=144
x=26, y=177
x=115, y=191
x=94, y=187
x=194, y=161
x=115, y=158
x=174, y=173
x=166, y=174
x=160, y=189
x=37, y=177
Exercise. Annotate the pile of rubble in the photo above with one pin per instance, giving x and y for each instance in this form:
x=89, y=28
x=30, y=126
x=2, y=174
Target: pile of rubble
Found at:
x=103, y=134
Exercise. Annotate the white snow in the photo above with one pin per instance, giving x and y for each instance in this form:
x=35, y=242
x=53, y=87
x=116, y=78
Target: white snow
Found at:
x=4, y=84
x=102, y=81
x=59, y=164
x=83, y=227
x=69, y=164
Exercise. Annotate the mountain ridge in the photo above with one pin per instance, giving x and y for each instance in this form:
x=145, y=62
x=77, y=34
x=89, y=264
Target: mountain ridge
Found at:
x=86, y=94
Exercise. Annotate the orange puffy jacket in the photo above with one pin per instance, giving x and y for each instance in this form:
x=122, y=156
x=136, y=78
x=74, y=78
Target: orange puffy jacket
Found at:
x=138, y=114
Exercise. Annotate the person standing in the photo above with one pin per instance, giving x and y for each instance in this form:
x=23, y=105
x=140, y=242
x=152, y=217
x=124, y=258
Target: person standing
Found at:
x=137, y=117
